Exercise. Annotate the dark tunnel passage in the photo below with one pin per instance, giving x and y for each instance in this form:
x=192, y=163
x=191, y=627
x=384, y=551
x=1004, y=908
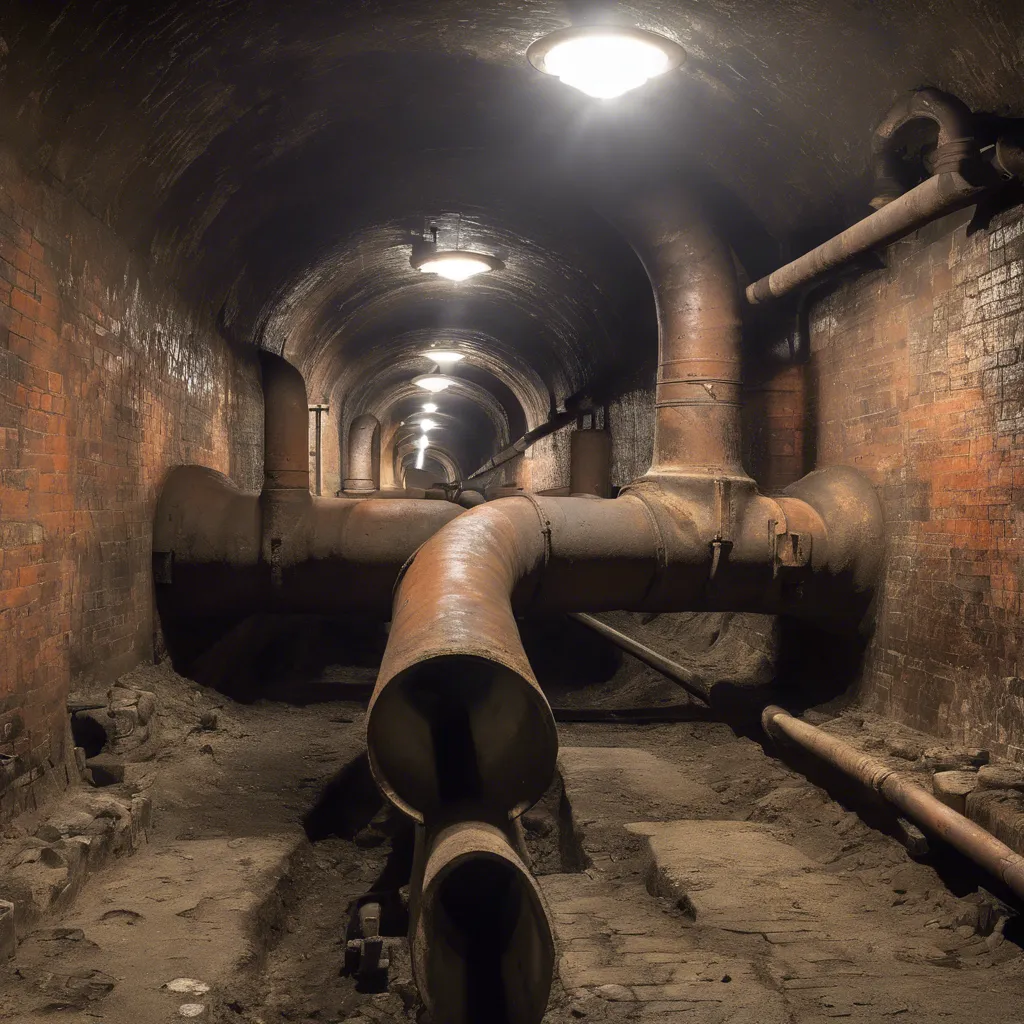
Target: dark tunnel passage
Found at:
x=510, y=511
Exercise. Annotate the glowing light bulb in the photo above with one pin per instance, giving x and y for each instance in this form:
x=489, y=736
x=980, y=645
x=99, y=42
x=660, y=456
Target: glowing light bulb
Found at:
x=443, y=357
x=426, y=425
x=433, y=383
x=429, y=407
x=606, y=62
x=455, y=266
x=422, y=442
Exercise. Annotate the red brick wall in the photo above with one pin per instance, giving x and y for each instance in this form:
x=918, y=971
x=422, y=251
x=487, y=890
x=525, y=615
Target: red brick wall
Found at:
x=106, y=381
x=918, y=380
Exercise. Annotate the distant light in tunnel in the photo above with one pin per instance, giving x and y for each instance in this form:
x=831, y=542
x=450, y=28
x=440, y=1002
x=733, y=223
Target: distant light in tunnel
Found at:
x=444, y=357
x=429, y=407
x=432, y=382
x=426, y=425
x=422, y=442
x=604, y=62
x=456, y=264
x=421, y=455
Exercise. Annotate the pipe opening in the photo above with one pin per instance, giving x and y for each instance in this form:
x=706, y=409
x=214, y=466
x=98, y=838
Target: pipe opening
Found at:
x=461, y=729
x=488, y=955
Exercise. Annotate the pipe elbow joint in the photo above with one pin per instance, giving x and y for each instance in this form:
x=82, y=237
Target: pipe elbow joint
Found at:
x=847, y=547
x=956, y=145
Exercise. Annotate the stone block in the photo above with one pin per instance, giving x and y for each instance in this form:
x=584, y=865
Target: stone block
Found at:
x=952, y=788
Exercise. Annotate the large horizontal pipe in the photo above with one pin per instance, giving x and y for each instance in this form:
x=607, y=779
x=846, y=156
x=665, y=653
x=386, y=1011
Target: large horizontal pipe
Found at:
x=941, y=194
x=457, y=714
x=221, y=551
x=918, y=805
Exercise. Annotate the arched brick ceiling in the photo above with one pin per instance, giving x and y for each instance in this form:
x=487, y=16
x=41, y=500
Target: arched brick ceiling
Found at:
x=278, y=159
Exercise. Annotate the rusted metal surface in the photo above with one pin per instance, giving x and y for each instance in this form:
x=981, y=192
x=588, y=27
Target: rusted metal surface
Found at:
x=918, y=805
x=697, y=425
x=285, y=425
x=934, y=197
x=590, y=463
x=363, y=455
x=222, y=551
x=481, y=944
x=956, y=146
x=689, y=681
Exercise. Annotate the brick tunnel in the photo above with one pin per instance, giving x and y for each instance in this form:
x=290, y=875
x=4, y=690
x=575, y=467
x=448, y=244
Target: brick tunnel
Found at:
x=509, y=512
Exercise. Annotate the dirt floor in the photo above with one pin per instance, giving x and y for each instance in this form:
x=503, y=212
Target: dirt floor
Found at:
x=689, y=877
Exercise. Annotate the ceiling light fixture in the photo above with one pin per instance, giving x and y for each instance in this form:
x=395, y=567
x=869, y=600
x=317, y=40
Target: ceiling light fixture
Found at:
x=426, y=425
x=432, y=382
x=455, y=264
x=429, y=407
x=443, y=357
x=604, y=62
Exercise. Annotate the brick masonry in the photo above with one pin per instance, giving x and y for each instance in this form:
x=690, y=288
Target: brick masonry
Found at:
x=107, y=380
x=916, y=377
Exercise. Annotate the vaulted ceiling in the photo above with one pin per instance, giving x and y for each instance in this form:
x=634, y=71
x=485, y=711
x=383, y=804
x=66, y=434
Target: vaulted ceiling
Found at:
x=279, y=160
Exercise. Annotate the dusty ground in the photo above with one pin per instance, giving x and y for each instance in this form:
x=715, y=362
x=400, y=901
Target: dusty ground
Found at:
x=262, y=844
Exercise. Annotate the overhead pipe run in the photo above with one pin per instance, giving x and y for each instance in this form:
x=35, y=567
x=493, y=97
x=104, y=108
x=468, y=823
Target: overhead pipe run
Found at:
x=458, y=728
x=220, y=551
x=961, y=177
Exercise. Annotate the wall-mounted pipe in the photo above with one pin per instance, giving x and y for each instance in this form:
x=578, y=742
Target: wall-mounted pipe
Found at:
x=933, y=198
x=363, y=456
x=530, y=438
x=961, y=178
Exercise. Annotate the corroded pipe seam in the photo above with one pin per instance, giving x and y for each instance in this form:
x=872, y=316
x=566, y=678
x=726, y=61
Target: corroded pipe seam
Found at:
x=920, y=806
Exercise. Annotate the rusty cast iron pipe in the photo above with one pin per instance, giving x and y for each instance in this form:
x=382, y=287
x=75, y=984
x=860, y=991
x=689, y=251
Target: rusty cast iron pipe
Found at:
x=218, y=550
x=697, y=421
x=363, y=455
x=689, y=681
x=285, y=425
x=933, y=198
x=481, y=945
x=457, y=714
x=956, y=144
x=918, y=805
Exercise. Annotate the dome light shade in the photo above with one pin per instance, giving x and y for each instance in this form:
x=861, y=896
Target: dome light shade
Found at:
x=456, y=264
x=432, y=382
x=444, y=357
x=604, y=62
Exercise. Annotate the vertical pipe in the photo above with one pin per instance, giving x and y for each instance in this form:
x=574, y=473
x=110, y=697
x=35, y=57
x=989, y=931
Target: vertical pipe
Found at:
x=363, y=455
x=285, y=426
x=697, y=420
